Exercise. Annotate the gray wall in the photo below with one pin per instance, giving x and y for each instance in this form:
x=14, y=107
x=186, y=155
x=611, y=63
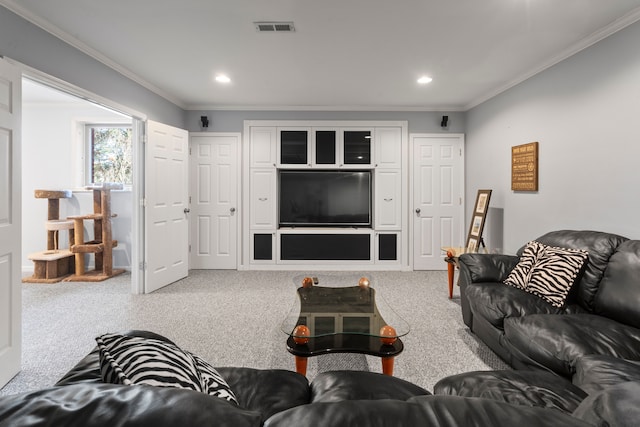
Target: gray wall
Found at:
x=232, y=121
x=585, y=113
x=30, y=45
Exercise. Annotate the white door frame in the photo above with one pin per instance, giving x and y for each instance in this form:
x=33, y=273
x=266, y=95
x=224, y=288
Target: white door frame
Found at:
x=410, y=200
x=138, y=124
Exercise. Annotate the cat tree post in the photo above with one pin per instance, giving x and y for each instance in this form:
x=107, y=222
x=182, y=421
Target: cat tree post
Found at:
x=102, y=244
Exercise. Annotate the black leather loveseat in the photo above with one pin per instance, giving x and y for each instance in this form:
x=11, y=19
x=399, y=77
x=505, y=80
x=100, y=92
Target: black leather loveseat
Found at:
x=278, y=398
x=600, y=316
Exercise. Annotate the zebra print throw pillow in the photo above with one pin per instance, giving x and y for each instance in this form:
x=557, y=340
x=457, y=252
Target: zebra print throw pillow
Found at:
x=520, y=275
x=131, y=360
x=547, y=271
x=213, y=381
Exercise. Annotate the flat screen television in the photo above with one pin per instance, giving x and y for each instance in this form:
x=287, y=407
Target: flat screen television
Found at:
x=316, y=198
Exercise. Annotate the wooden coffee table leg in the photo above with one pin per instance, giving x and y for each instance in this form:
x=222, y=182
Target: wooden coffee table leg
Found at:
x=451, y=269
x=387, y=365
x=301, y=365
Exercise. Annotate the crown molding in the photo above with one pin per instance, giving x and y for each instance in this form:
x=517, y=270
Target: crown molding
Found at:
x=617, y=25
x=586, y=42
x=364, y=108
x=14, y=7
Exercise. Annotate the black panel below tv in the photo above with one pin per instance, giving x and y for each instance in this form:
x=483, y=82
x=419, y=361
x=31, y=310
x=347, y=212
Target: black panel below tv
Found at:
x=325, y=247
x=262, y=246
x=388, y=247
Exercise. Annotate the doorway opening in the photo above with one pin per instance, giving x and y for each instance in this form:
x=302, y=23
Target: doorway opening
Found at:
x=57, y=154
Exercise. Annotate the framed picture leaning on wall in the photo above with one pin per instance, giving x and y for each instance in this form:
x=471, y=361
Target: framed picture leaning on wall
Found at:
x=474, y=237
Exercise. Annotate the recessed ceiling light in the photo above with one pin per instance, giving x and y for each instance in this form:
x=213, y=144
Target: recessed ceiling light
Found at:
x=221, y=78
x=424, y=80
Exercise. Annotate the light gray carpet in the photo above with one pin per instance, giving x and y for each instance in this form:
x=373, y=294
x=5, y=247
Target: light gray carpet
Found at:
x=232, y=318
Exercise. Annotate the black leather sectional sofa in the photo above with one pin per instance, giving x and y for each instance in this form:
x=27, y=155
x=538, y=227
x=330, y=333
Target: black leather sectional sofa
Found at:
x=601, y=315
x=607, y=395
x=576, y=365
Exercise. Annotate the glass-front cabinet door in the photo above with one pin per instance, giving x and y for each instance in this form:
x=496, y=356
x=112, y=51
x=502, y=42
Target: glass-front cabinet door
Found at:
x=356, y=147
x=325, y=147
x=293, y=147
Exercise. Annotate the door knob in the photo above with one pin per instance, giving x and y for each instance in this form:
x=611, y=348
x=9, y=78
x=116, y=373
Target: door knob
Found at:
x=232, y=210
x=187, y=210
x=418, y=211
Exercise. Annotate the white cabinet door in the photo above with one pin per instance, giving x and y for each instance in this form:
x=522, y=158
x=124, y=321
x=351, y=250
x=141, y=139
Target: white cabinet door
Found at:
x=388, y=147
x=263, y=199
x=388, y=206
x=263, y=147
x=10, y=222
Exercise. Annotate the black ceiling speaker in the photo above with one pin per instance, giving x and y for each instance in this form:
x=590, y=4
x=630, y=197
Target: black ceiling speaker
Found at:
x=205, y=121
x=445, y=121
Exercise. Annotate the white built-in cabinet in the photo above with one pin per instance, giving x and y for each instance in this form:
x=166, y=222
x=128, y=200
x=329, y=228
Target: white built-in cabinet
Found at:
x=388, y=179
x=387, y=200
x=262, y=150
x=263, y=198
x=377, y=146
x=386, y=148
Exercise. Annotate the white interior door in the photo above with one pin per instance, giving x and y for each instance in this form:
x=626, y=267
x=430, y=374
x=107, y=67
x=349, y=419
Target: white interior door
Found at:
x=10, y=213
x=214, y=200
x=167, y=203
x=438, y=209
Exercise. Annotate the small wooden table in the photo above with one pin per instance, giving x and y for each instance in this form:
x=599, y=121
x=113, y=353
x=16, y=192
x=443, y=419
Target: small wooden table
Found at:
x=452, y=261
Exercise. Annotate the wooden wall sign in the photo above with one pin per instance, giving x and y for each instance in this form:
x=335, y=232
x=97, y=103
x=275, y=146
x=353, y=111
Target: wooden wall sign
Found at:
x=524, y=167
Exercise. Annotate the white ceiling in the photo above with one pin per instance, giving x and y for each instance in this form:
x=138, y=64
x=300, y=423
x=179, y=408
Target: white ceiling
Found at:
x=343, y=55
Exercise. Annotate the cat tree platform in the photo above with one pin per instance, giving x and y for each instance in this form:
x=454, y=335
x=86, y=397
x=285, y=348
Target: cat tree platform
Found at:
x=50, y=266
x=53, y=264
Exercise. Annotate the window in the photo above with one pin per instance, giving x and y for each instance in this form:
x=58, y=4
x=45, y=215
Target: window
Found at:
x=109, y=156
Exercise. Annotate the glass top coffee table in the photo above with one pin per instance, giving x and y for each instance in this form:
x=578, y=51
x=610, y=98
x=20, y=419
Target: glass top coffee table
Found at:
x=342, y=313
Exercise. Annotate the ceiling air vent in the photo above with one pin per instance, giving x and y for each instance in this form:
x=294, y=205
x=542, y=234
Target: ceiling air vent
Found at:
x=279, y=27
